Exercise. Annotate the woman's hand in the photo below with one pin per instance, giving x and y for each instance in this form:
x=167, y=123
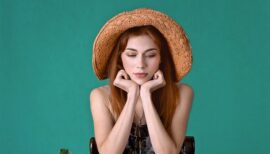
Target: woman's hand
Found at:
x=152, y=85
x=123, y=82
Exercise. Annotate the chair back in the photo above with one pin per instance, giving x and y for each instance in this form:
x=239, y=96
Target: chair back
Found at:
x=187, y=148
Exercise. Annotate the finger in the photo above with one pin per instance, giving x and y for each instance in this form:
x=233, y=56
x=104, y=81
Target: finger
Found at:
x=156, y=75
x=120, y=75
x=160, y=74
x=125, y=75
x=123, y=72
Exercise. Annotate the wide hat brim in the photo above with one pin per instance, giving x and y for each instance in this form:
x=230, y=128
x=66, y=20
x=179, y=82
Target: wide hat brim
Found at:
x=174, y=34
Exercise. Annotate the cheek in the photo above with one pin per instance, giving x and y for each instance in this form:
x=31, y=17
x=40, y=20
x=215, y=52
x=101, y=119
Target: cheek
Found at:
x=127, y=64
x=155, y=64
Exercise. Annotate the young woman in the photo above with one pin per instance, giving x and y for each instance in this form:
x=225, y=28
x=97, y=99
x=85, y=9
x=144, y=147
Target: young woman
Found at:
x=144, y=109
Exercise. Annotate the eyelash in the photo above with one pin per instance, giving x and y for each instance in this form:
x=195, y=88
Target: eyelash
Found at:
x=146, y=56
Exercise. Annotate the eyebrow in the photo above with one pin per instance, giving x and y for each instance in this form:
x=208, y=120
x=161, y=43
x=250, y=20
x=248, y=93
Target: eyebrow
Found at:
x=150, y=49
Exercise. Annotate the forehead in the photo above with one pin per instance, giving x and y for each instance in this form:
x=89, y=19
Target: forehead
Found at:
x=141, y=43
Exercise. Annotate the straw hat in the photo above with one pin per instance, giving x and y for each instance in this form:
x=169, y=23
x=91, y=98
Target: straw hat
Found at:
x=174, y=34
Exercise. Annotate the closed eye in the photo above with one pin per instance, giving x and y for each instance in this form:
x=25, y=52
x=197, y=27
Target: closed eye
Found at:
x=151, y=55
x=131, y=55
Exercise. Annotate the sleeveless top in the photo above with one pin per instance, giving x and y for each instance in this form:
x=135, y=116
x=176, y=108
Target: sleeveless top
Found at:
x=139, y=141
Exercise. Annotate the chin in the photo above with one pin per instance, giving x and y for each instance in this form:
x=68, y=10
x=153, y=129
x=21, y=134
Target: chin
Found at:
x=140, y=82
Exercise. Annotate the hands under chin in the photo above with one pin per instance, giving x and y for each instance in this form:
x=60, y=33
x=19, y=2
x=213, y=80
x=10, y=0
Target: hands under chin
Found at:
x=152, y=85
x=123, y=81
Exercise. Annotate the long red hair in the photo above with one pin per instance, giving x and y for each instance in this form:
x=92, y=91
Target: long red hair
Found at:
x=164, y=99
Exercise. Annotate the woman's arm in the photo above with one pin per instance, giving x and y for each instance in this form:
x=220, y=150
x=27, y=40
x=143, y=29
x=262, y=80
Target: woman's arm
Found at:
x=160, y=139
x=181, y=115
x=111, y=138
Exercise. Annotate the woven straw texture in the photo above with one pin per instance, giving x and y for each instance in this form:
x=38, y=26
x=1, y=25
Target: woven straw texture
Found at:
x=177, y=40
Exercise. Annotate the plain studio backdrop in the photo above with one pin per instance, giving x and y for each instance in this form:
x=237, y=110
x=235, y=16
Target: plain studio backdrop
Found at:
x=46, y=73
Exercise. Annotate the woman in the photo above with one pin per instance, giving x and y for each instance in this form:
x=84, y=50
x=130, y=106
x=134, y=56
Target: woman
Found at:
x=144, y=53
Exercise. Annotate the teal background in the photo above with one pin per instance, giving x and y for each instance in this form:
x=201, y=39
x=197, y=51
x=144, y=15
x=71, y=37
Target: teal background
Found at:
x=46, y=73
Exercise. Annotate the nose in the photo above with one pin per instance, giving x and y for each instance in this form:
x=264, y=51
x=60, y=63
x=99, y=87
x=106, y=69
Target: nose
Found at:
x=141, y=62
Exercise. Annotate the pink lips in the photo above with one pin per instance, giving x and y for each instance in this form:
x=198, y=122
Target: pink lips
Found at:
x=140, y=75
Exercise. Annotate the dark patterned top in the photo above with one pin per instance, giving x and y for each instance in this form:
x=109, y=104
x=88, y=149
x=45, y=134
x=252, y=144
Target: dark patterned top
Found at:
x=139, y=141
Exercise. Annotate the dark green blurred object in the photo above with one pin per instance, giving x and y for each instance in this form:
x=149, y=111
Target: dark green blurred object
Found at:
x=64, y=151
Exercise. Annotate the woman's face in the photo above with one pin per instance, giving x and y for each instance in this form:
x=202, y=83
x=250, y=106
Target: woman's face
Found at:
x=141, y=58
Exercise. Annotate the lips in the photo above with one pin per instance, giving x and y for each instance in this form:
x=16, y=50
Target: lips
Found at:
x=140, y=75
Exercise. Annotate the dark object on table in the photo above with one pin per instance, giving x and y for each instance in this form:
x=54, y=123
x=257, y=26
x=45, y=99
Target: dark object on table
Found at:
x=187, y=148
x=64, y=151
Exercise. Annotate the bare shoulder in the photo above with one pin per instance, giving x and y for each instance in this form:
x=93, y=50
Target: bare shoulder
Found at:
x=185, y=89
x=103, y=90
x=99, y=105
x=186, y=94
x=100, y=95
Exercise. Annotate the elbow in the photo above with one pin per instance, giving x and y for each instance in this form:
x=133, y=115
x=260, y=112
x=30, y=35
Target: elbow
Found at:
x=112, y=150
x=171, y=150
x=174, y=150
x=102, y=148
